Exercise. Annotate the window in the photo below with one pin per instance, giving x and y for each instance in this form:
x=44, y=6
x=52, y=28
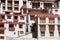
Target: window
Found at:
x=51, y=33
x=11, y=25
x=58, y=27
x=42, y=33
x=51, y=27
x=22, y=17
x=59, y=33
x=51, y=20
x=42, y=28
x=32, y=17
x=1, y=37
x=47, y=5
x=35, y=5
x=20, y=25
x=15, y=17
x=24, y=3
x=16, y=8
x=51, y=30
x=21, y=32
x=42, y=20
x=1, y=25
x=8, y=17
x=24, y=11
x=2, y=16
x=56, y=10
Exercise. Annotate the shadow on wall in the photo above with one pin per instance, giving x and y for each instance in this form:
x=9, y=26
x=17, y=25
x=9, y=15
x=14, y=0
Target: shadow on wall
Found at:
x=34, y=30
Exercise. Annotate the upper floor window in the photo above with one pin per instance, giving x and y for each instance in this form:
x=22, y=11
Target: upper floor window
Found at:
x=15, y=17
x=11, y=25
x=32, y=17
x=47, y=5
x=22, y=17
x=8, y=17
x=42, y=20
x=51, y=20
x=35, y=5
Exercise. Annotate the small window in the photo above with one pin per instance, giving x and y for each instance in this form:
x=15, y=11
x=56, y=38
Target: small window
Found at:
x=59, y=33
x=24, y=3
x=11, y=25
x=32, y=17
x=51, y=33
x=22, y=17
x=42, y=28
x=42, y=20
x=58, y=20
x=2, y=16
x=56, y=10
x=15, y=17
x=51, y=20
x=1, y=25
x=58, y=27
x=16, y=8
x=21, y=32
x=42, y=33
x=8, y=17
x=20, y=25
